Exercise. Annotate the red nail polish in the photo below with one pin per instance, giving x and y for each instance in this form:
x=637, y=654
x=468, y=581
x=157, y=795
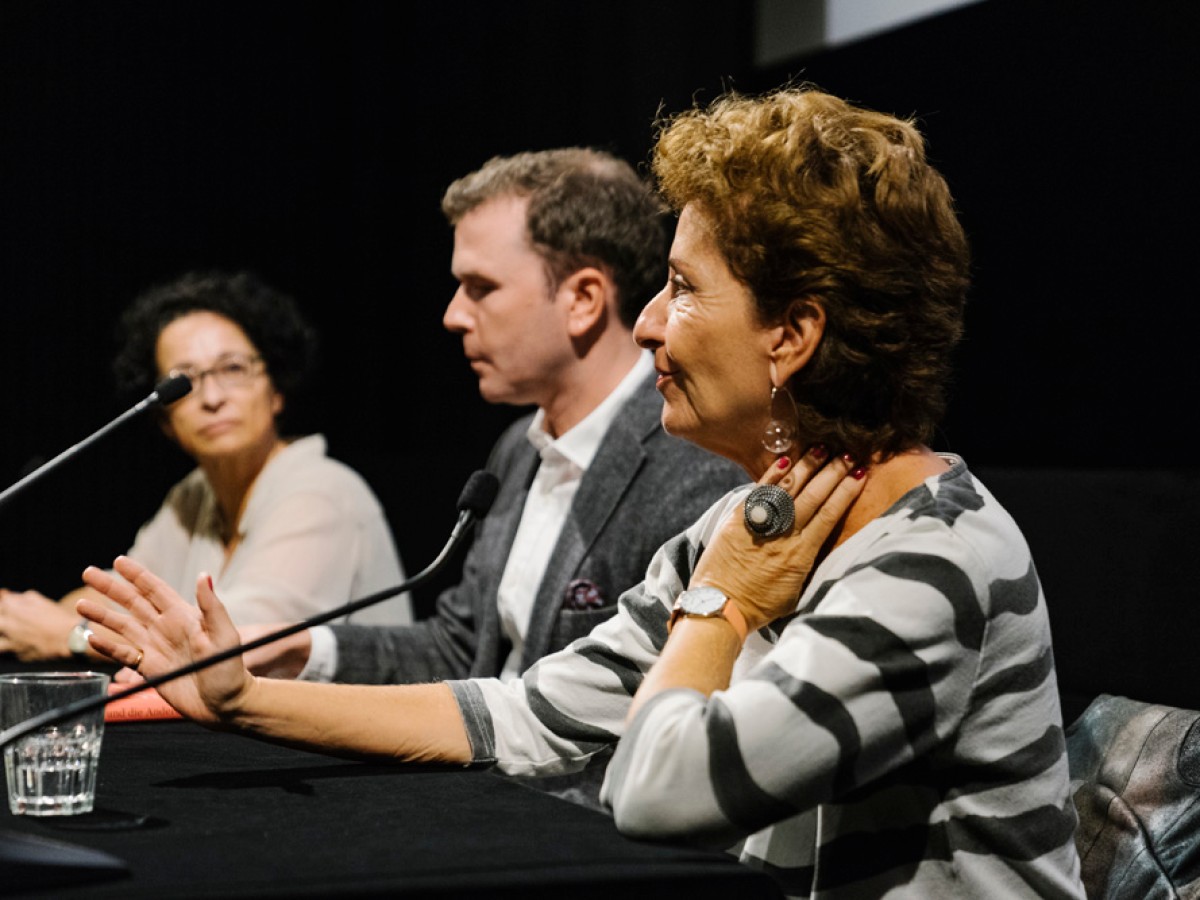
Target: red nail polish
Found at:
x=859, y=474
x=210, y=583
x=783, y=462
x=848, y=459
x=819, y=451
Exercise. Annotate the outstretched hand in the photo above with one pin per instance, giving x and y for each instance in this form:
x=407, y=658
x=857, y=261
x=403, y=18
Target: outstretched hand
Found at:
x=764, y=576
x=162, y=632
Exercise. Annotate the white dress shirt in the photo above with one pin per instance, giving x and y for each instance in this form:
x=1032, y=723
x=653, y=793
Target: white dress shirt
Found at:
x=564, y=460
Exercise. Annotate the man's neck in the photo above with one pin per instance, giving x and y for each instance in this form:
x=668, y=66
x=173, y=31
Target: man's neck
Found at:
x=588, y=383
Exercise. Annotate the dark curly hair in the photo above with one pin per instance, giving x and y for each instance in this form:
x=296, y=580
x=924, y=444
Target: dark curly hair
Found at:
x=810, y=196
x=270, y=319
x=586, y=208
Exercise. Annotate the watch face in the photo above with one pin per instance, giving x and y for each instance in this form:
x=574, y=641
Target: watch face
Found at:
x=77, y=640
x=702, y=601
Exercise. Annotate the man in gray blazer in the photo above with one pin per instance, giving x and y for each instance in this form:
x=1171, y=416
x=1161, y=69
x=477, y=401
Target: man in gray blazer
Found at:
x=555, y=252
x=642, y=487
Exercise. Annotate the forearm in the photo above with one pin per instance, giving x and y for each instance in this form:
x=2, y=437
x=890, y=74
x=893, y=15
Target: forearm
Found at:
x=699, y=654
x=660, y=782
x=417, y=723
x=35, y=627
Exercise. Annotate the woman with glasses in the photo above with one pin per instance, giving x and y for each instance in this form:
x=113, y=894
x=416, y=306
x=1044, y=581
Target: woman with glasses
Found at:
x=285, y=531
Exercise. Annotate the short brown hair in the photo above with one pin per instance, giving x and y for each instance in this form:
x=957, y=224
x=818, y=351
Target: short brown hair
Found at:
x=811, y=197
x=586, y=208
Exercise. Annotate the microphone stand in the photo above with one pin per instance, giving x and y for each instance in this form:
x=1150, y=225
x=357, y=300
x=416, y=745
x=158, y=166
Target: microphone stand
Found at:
x=466, y=518
x=167, y=391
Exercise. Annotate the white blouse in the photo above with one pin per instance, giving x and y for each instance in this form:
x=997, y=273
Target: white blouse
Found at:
x=313, y=537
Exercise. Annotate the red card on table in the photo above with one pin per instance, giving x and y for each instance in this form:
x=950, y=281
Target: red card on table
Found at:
x=147, y=704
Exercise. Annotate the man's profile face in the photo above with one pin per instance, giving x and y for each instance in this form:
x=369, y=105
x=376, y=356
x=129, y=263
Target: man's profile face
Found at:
x=513, y=326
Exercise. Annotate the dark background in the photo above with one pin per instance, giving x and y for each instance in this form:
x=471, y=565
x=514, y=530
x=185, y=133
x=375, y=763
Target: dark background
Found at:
x=311, y=142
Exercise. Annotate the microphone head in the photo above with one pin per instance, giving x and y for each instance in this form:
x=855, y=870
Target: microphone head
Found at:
x=478, y=493
x=171, y=389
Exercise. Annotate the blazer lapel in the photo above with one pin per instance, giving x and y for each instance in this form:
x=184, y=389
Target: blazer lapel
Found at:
x=614, y=467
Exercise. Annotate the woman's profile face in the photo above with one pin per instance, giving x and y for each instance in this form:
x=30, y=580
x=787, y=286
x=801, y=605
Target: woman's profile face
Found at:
x=232, y=407
x=710, y=350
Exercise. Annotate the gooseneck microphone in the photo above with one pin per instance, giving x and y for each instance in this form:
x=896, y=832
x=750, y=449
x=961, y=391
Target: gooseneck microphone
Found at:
x=165, y=393
x=473, y=504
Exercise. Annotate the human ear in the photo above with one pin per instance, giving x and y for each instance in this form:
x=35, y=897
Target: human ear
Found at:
x=588, y=292
x=797, y=337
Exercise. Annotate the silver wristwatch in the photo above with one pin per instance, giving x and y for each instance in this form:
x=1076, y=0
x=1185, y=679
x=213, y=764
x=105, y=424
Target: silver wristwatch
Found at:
x=77, y=639
x=701, y=601
x=707, y=603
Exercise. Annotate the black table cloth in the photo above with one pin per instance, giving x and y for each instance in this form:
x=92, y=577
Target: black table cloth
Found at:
x=182, y=811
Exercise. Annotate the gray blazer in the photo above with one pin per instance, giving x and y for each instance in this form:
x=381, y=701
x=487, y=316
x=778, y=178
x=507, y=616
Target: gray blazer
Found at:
x=642, y=487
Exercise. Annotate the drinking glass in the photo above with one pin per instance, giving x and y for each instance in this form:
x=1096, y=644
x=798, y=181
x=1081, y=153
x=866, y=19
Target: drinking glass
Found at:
x=52, y=771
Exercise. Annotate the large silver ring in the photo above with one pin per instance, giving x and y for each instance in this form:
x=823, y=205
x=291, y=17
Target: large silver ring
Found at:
x=770, y=511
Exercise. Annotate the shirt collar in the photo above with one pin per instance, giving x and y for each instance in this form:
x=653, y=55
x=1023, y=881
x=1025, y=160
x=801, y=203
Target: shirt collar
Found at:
x=579, y=444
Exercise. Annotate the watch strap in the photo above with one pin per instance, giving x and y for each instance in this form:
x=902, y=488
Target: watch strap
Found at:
x=731, y=614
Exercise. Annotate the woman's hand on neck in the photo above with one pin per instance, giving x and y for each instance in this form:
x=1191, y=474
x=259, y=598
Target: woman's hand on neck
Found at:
x=889, y=480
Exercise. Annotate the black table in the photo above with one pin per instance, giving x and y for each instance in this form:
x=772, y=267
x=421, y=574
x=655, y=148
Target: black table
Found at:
x=195, y=813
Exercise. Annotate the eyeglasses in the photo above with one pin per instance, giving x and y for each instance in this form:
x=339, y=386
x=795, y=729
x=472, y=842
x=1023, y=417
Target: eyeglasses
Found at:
x=230, y=373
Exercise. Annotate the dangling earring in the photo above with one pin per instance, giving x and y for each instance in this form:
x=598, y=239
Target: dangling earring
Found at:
x=781, y=429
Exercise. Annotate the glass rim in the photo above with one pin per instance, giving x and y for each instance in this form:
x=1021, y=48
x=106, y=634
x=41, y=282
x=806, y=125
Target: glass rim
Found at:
x=64, y=676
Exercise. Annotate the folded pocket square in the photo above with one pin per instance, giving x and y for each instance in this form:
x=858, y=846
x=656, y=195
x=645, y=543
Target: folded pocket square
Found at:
x=582, y=594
